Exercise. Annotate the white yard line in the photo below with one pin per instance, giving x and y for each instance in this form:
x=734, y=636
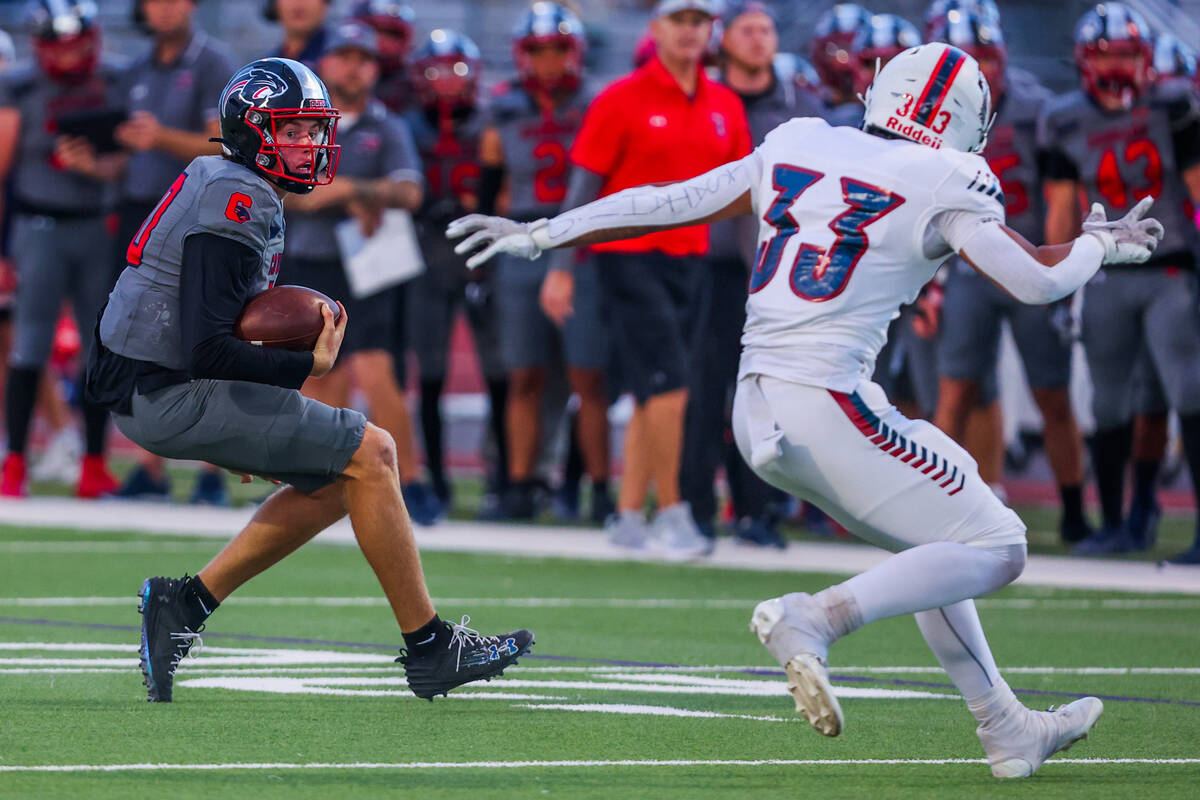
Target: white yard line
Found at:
x=561, y=542
x=433, y=765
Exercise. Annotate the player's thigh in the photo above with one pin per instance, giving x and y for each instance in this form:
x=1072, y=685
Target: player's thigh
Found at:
x=1173, y=339
x=526, y=335
x=1043, y=343
x=969, y=340
x=1112, y=338
x=895, y=482
x=585, y=337
x=247, y=427
x=645, y=315
x=1149, y=397
x=39, y=252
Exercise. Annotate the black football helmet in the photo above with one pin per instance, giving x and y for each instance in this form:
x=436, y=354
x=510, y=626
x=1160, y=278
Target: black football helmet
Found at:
x=446, y=70
x=548, y=24
x=259, y=100
x=66, y=39
x=393, y=21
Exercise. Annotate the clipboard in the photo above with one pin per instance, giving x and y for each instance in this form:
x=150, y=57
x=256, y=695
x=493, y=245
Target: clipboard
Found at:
x=98, y=126
x=388, y=258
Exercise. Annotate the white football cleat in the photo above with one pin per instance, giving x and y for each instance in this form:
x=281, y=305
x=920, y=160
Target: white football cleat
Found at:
x=1021, y=743
x=790, y=630
x=60, y=459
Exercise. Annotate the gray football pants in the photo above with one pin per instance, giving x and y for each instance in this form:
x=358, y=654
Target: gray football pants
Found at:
x=56, y=259
x=1125, y=310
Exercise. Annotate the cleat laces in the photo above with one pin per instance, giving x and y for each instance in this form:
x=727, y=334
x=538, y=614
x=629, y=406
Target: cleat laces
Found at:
x=186, y=643
x=463, y=636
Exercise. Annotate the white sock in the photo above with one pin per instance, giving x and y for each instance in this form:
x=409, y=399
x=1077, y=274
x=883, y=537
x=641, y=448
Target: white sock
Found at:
x=931, y=576
x=956, y=638
x=995, y=705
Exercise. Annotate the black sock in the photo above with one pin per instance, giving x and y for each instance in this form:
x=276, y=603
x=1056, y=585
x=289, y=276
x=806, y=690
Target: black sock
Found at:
x=573, y=469
x=431, y=430
x=498, y=400
x=19, y=400
x=1189, y=431
x=1145, y=481
x=95, y=428
x=1072, y=504
x=424, y=637
x=1110, y=455
x=599, y=487
x=199, y=599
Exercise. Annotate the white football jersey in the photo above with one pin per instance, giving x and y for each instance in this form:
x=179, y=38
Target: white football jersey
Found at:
x=843, y=241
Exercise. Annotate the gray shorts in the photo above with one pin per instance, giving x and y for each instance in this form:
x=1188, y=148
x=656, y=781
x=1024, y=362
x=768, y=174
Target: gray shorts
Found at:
x=247, y=427
x=528, y=338
x=969, y=346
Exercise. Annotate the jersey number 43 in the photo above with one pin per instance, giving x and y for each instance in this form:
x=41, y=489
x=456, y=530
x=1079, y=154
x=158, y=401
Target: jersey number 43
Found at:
x=819, y=274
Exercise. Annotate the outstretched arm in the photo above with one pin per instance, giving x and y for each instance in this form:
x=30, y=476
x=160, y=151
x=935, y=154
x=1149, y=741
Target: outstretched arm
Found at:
x=718, y=194
x=1044, y=274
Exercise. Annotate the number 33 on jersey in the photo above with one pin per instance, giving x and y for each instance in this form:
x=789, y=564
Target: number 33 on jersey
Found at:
x=845, y=238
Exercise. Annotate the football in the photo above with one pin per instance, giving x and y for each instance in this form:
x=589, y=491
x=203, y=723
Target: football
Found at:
x=284, y=316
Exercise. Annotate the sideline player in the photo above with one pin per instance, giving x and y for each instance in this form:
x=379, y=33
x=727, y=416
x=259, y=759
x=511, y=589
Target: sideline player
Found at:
x=1118, y=139
x=378, y=169
x=60, y=191
x=530, y=125
x=833, y=56
x=974, y=308
x=853, y=224
x=182, y=386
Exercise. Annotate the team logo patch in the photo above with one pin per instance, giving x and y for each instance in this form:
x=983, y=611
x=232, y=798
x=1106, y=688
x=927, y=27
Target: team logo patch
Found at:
x=238, y=207
x=718, y=121
x=658, y=121
x=260, y=86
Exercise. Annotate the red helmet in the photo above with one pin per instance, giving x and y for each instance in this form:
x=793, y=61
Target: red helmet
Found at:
x=1114, y=53
x=980, y=37
x=446, y=70
x=66, y=39
x=548, y=24
x=884, y=37
x=833, y=45
x=393, y=22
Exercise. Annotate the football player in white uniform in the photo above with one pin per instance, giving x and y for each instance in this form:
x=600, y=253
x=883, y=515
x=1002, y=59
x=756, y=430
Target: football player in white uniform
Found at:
x=851, y=225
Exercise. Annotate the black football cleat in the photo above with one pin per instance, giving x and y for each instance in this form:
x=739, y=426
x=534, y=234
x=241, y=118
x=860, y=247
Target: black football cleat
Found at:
x=169, y=629
x=461, y=655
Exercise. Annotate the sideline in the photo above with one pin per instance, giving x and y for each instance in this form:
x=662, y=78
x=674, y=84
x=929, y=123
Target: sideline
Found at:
x=1060, y=572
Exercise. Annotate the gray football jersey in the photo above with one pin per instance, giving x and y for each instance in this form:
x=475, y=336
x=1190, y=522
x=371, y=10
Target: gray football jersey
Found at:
x=1121, y=158
x=1012, y=154
x=37, y=179
x=378, y=144
x=212, y=195
x=536, y=146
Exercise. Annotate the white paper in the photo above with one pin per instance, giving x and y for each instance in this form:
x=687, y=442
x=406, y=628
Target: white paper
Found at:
x=390, y=257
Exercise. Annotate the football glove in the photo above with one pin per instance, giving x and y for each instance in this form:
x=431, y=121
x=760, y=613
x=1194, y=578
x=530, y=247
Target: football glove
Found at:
x=1128, y=240
x=492, y=235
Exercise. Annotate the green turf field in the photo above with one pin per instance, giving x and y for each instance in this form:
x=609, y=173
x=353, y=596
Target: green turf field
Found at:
x=634, y=663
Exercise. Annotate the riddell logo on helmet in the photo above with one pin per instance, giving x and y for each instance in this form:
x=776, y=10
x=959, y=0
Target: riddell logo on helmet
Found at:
x=916, y=133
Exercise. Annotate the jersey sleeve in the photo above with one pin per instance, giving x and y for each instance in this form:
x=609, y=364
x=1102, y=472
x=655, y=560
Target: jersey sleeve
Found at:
x=601, y=136
x=401, y=162
x=971, y=186
x=236, y=210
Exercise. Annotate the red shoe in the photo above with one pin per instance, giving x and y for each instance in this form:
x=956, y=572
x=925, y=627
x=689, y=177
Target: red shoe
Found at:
x=94, y=479
x=12, y=477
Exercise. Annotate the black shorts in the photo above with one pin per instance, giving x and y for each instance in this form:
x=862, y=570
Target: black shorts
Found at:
x=372, y=319
x=647, y=296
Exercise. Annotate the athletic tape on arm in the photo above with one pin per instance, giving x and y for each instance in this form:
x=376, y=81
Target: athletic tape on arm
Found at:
x=998, y=256
x=653, y=207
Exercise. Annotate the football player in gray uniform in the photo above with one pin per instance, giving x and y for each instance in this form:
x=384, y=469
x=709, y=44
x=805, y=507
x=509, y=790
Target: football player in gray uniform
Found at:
x=529, y=126
x=181, y=385
x=61, y=186
x=974, y=308
x=1121, y=138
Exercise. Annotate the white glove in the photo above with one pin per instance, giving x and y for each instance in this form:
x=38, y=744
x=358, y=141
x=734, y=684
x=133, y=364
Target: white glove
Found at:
x=496, y=235
x=1128, y=240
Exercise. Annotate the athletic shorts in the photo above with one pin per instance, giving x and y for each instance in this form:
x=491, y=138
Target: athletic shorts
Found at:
x=528, y=338
x=253, y=428
x=646, y=297
x=371, y=318
x=895, y=482
x=969, y=347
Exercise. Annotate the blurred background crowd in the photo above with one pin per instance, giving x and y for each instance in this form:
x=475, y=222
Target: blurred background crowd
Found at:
x=595, y=386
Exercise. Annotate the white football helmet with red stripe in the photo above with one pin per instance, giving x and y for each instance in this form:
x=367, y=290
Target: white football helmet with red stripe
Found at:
x=934, y=95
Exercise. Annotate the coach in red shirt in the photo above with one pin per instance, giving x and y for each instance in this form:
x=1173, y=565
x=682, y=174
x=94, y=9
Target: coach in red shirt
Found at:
x=666, y=121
